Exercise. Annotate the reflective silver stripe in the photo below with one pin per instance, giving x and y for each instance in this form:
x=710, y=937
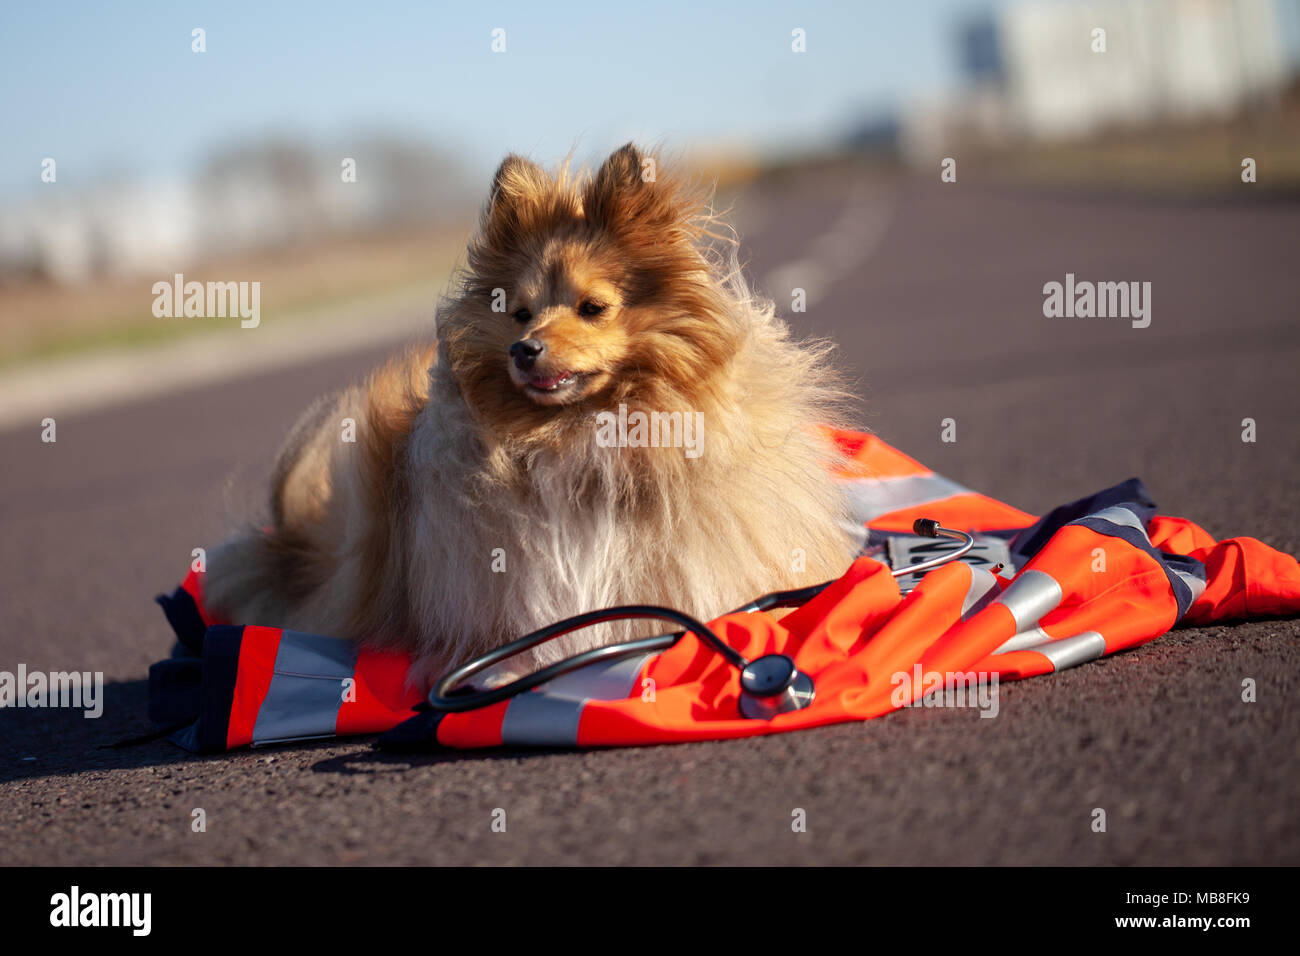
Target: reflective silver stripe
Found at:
x=1025, y=640
x=870, y=498
x=1121, y=516
x=306, y=688
x=604, y=680
x=983, y=588
x=539, y=720
x=548, y=716
x=1063, y=652
x=1031, y=595
x=1194, y=584
x=1069, y=651
x=297, y=707
x=314, y=654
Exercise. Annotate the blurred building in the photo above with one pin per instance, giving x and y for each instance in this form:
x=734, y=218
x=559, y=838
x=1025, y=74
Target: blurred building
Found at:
x=1165, y=60
x=248, y=198
x=1031, y=70
x=121, y=229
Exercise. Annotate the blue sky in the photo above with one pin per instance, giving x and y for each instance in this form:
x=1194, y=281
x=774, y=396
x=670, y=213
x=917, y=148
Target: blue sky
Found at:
x=113, y=87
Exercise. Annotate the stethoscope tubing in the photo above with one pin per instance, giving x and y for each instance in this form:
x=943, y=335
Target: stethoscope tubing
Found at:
x=445, y=697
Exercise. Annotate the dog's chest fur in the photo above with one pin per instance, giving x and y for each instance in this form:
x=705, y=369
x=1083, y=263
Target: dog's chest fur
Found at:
x=497, y=547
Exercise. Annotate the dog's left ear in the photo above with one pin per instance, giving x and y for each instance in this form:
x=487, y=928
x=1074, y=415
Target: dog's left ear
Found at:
x=626, y=167
x=624, y=188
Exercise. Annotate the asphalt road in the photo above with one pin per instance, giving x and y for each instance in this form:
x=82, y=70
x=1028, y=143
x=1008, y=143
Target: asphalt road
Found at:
x=934, y=294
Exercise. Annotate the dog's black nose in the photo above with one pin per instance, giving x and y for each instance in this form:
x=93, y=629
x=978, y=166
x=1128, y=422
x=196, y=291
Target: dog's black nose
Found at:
x=525, y=353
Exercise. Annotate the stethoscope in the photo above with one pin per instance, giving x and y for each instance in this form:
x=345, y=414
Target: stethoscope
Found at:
x=769, y=685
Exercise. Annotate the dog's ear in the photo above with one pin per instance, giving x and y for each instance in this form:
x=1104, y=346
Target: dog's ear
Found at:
x=518, y=182
x=626, y=168
x=624, y=188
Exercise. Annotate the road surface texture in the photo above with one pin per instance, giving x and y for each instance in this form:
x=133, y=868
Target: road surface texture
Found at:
x=934, y=294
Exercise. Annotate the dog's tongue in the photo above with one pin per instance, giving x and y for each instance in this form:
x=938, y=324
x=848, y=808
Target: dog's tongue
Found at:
x=547, y=383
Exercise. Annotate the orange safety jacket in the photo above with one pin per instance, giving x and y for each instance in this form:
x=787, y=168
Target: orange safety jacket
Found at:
x=1092, y=577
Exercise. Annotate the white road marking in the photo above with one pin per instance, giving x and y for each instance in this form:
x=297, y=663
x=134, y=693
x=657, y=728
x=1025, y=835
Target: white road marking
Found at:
x=844, y=248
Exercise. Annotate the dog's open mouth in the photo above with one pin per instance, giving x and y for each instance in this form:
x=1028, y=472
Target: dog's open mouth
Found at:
x=548, y=389
x=552, y=383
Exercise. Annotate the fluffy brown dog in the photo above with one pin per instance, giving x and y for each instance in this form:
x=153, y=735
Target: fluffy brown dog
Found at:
x=482, y=498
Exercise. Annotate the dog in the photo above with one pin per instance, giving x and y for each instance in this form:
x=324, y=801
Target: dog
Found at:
x=478, y=501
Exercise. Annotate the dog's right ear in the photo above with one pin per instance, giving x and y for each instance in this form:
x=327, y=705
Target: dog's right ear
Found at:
x=619, y=191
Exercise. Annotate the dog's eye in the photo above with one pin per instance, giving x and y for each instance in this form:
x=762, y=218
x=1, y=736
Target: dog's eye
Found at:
x=590, y=309
x=523, y=315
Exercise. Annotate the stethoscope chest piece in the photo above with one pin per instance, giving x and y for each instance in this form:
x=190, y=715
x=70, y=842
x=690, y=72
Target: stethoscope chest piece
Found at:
x=771, y=685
